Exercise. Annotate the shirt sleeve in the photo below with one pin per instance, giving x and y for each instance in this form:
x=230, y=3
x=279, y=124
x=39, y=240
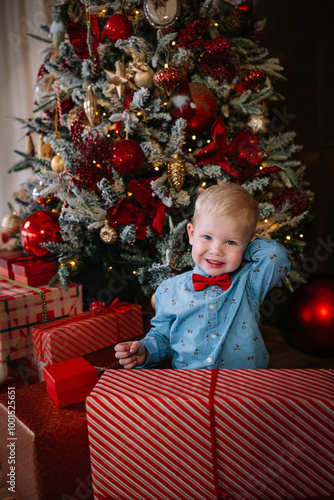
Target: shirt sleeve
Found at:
x=269, y=264
x=157, y=340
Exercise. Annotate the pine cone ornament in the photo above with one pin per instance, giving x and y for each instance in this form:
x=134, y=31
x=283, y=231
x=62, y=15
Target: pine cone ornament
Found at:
x=233, y=23
x=176, y=173
x=76, y=12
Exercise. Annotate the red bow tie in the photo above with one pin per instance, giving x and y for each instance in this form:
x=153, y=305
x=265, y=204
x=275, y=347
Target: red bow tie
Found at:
x=200, y=282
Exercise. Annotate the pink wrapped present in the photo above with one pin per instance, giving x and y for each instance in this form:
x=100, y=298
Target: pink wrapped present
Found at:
x=212, y=434
x=22, y=307
x=87, y=333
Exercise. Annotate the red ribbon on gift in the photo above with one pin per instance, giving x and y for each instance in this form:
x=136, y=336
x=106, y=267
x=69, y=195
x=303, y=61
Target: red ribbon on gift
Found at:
x=242, y=150
x=220, y=495
x=152, y=210
x=98, y=306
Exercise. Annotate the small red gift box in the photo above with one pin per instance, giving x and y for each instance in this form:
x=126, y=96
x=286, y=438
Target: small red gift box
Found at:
x=33, y=272
x=85, y=333
x=48, y=446
x=209, y=434
x=8, y=258
x=32, y=267
x=70, y=381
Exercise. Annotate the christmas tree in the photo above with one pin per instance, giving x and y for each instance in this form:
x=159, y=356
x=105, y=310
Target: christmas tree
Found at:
x=141, y=105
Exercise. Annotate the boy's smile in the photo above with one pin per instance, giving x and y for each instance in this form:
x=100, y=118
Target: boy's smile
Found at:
x=218, y=242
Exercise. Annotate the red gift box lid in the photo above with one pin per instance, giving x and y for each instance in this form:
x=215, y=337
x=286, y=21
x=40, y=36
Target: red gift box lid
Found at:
x=70, y=374
x=33, y=266
x=7, y=258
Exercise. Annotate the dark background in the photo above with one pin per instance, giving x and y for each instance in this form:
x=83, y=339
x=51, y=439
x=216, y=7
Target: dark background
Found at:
x=301, y=34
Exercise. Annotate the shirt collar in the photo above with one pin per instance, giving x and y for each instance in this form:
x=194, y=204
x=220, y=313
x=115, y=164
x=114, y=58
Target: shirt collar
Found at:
x=198, y=270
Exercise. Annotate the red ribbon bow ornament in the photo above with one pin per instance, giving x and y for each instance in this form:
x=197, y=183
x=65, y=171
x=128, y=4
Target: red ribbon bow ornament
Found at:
x=152, y=210
x=242, y=150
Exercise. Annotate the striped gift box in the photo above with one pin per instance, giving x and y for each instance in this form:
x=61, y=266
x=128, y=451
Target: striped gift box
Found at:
x=84, y=333
x=23, y=307
x=212, y=434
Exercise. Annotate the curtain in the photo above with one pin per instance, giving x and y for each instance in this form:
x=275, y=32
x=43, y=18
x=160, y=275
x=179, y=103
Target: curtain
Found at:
x=20, y=58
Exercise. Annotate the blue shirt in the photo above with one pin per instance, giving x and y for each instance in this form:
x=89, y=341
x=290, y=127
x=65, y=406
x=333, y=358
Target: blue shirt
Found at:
x=213, y=328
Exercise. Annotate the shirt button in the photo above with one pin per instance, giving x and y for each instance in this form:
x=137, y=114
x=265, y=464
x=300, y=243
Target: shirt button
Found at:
x=209, y=360
x=214, y=335
x=211, y=306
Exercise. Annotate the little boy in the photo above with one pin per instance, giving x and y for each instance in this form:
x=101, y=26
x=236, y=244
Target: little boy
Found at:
x=208, y=317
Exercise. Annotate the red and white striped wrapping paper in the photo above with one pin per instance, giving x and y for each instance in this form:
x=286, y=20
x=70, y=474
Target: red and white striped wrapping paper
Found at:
x=84, y=333
x=212, y=434
x=21, y=310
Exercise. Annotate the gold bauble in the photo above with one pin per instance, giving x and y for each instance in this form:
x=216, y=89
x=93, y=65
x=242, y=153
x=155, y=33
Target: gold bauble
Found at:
x=144, y=79
x=153, y=301
x=90, y=106
x=11, y=224
x=108, y=234
x=57, y=164
x=176, y=173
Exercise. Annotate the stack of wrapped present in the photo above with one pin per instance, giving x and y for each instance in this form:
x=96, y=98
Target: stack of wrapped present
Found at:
x=22, y=307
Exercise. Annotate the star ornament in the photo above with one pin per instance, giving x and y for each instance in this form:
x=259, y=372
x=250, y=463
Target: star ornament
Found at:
x=258, y=124
x=118, y=80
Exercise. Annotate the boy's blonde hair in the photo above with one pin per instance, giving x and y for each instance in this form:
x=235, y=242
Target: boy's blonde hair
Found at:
x=229, y=199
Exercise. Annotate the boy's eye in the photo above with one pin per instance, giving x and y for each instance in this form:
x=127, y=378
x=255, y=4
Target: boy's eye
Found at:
x=207, y=237
x=230, y=242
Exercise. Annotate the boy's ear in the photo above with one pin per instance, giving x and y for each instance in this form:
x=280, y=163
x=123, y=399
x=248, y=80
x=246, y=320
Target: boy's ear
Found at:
x=190, y=230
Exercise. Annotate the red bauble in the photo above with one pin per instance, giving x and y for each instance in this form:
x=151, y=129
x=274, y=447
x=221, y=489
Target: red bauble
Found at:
x=40, y=227
x=127, y=157
x=206, y=108
x=310, y=317
x=118, y=27
x=168, y=79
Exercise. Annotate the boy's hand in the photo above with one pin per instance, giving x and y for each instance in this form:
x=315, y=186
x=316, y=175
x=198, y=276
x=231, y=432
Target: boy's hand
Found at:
x=131, y=354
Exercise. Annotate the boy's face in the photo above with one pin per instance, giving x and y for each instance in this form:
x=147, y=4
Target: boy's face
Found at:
x=218, y=242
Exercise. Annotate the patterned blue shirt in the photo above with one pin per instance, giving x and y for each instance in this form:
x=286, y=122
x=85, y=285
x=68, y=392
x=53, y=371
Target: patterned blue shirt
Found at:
x=213, y=328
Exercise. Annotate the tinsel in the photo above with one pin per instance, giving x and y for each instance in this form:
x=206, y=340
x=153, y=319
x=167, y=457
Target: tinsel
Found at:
x=94, y=163
x=297, y=200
